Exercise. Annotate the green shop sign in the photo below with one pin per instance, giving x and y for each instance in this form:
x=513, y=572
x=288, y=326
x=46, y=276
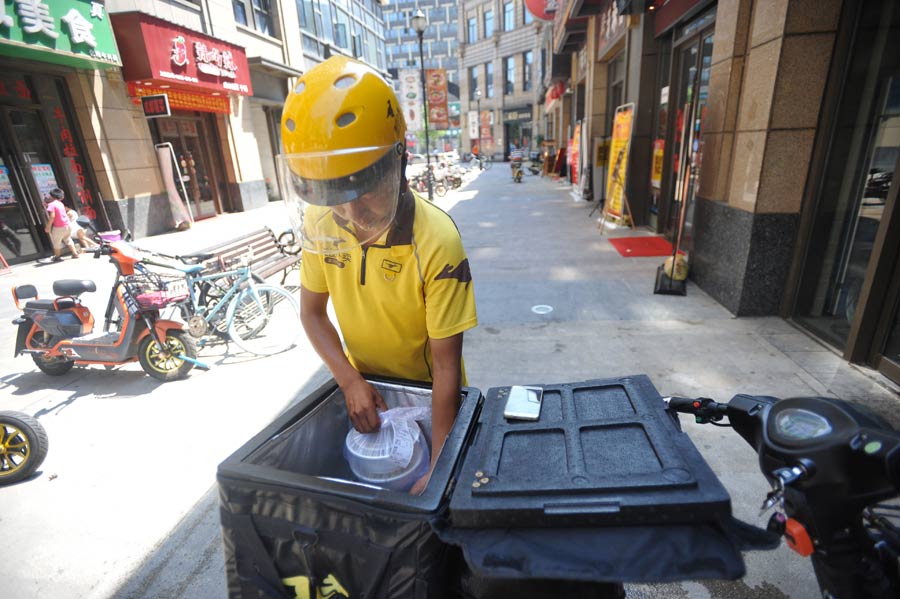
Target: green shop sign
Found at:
x=75, y=33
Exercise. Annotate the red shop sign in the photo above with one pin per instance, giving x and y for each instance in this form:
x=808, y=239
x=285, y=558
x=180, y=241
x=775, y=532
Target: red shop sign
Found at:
x=162, y=53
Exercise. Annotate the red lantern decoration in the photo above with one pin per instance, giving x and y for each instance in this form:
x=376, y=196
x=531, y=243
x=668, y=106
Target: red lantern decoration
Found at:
x=542, y=9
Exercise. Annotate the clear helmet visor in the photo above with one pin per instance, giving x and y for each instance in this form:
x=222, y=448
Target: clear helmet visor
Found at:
x=334, y=215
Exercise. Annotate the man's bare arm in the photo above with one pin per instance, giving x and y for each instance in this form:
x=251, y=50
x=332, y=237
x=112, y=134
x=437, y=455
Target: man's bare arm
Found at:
x=362, y=399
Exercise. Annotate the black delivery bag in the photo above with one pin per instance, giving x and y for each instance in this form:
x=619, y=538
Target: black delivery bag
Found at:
x=602, y=488
x=294, y=521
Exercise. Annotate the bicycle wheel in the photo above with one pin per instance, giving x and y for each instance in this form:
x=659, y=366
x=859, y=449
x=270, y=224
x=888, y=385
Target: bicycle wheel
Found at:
x=488, y=163
x=288, y=243
x=264, y=320
x=211, y=293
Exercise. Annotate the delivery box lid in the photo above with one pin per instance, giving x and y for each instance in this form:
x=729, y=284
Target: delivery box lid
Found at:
x=602, y=452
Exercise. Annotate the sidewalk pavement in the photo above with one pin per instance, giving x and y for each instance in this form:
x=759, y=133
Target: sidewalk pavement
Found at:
x=126, y=506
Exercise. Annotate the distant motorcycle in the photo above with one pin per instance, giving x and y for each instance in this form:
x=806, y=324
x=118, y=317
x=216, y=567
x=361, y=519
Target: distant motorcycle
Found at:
x=23, y=446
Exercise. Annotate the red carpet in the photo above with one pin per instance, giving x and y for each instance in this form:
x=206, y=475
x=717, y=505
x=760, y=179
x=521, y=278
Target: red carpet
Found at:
x=635, y=247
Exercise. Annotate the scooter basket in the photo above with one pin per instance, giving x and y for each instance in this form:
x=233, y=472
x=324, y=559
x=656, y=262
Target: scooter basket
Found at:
x=153, y=291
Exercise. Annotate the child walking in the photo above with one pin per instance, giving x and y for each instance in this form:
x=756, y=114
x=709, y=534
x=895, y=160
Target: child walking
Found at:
x=58, y=224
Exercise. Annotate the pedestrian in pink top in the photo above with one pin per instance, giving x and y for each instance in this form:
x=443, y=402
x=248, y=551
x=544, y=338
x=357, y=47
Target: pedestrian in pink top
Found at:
x=58, y=224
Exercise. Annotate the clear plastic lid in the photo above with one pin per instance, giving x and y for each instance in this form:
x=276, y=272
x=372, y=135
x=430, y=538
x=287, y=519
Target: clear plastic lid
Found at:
x=398, y=447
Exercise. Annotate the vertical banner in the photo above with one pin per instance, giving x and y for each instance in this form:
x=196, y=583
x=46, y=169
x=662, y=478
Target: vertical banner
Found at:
x=473, y=125
x=487, y=133
x=165, y=154
x=411, y=98
x=575, y=154
x=584, y=166
x=436, y=88
x=618, y=159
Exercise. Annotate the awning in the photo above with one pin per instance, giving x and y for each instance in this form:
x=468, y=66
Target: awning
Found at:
x=160, y=54
x=273, y=68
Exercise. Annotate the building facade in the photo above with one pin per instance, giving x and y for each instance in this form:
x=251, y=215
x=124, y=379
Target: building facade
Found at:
x=78, y=73
x=439, y=53
x=500, y=76
x=764, y=139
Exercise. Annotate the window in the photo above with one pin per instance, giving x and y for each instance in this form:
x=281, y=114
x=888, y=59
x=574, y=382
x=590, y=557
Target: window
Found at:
x=472, y=29
x=509, y=16
x=488, y=23
x=261, y=15
x=240, y=12
x=341, y=29
x=489, y=80
x=509, y=85
x=528, y=16
x=307, y=15
x=473, y=83
x=543, y=64
x=527, y=70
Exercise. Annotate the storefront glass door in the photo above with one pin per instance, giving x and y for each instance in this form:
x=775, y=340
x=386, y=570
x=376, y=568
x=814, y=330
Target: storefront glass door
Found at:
x=692, y=90
x=27, y=174
x=854, y=190
x=188, y=137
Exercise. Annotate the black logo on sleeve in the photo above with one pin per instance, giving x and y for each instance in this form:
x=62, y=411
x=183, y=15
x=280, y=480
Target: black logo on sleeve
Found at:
x=460, y=272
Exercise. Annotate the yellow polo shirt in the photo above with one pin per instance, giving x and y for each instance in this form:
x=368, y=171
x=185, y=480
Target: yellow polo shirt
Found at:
x=411, y=285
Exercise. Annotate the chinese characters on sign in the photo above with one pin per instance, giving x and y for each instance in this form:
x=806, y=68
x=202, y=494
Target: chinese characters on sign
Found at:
x=57, y=31
x=618, y=160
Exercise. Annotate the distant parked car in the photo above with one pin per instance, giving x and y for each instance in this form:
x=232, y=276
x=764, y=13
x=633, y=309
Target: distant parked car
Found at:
x=878, y=183
x=414, y=158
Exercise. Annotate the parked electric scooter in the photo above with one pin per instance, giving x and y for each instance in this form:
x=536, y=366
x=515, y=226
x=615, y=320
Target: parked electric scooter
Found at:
x=23, y=446
x=830, y=463
x=59, y=332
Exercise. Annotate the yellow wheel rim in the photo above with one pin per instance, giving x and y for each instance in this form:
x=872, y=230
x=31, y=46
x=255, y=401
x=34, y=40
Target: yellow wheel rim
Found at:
x=165, y=360
x=14, y=449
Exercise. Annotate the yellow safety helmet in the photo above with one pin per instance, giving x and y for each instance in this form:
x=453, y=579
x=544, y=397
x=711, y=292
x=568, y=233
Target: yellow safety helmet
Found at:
x=343, y=134
x=340, y=105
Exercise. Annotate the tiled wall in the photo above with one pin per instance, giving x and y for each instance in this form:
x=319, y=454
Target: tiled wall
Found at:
x=770, y=63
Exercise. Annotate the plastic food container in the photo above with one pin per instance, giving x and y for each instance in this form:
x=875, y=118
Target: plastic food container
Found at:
x=395, y=456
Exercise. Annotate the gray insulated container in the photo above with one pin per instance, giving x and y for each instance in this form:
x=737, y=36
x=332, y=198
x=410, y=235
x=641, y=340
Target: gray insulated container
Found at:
x=602, y=488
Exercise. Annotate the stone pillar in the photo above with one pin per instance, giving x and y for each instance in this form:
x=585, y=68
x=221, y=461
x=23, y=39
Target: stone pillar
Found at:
x=769, y=68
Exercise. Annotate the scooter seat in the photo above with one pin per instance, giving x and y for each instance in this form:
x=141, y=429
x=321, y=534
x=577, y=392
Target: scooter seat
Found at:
x=46, y=305
x=73, y=287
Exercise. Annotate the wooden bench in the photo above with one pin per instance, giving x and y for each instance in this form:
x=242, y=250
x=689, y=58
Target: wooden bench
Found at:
x=267, y=256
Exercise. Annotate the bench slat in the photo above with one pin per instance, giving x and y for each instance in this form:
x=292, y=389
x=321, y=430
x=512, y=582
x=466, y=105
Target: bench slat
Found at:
x=268, y=257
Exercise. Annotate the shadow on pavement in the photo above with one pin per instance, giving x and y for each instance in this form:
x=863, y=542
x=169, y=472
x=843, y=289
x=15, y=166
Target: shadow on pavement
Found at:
x=189, y=560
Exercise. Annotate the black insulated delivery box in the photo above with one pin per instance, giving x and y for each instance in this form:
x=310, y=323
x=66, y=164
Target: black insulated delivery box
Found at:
x=603, y=487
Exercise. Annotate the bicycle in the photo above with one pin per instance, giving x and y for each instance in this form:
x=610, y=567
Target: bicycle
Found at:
x=231, y=303
x=484, y=163
x=288, y=242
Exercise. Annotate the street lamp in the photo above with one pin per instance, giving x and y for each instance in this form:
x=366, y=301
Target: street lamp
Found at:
x=478, y=122
x=419, y=23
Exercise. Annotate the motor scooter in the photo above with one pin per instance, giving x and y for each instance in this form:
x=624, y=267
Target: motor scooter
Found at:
x=516, y=168
x=58, y=333
x=23, y=446
x=830, y=463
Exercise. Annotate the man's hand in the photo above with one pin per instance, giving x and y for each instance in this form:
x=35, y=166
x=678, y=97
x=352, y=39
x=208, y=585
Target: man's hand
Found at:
x=420, y=484
x=363, y=401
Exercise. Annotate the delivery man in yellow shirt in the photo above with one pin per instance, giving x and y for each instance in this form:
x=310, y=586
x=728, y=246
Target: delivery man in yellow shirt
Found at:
x=393, y=265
